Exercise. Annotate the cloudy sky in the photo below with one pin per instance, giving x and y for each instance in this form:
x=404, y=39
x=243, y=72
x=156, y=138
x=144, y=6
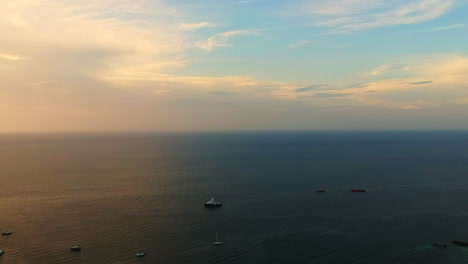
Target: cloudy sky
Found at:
x=155, y=65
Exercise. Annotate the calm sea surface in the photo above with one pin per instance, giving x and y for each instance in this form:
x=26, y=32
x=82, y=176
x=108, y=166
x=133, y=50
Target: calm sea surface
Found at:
x=115, y=194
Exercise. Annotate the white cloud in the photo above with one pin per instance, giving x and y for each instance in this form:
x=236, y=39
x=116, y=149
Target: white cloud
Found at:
x=341, y=7
x=346, y=16
x=382, y=69
x=188, y=27
x=221, y=40
x=300, y=43
x=379, y=70
x=455, y=26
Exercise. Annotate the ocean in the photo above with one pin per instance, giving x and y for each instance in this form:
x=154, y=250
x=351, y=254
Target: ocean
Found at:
x=115, y=194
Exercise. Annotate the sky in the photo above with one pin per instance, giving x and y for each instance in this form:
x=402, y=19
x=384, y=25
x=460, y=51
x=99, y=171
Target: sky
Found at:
x=217, y=65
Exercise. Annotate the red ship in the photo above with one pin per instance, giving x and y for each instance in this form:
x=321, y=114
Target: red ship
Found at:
x=358, y=190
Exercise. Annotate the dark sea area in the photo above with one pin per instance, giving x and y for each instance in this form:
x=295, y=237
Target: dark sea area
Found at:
x=116, y=194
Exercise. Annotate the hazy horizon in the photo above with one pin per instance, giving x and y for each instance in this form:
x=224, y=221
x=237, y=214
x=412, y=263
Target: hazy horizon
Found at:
x=233, y=132
x=230, y=65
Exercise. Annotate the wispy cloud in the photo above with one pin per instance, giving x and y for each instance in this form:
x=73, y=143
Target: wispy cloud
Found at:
x=346, y=16
x=12, y=57
x=455, y=26
x=421, y=82
x=382, y=69
x=428, y=82
x=221, y=93
x=221, y=40
x=42, y=83
x=98, y=38
x=246, y=2
x=311, y=88
x=341, y=7
x=195, y=26
x=300, y=43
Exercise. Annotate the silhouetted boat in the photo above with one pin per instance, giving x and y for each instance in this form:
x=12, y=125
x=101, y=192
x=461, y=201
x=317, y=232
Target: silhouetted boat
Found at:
x=75, y=248
x=140, y=254
x=321, y=190
x=217, y=242
x=358, y=190
x=213, y=203
x=2, y=252
x=460, y=243
x=6, y=233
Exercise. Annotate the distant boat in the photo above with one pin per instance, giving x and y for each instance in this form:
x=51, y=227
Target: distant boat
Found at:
x=439, y=245
x=213, y=203
x=321, y=190
x=460, y=243
x=75, y=248
x=7, y=232
x=140, y=254
x=358, y=190
x=2, y=252
x=217, y=242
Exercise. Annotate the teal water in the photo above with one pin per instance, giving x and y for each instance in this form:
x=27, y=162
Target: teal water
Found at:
x=115, y=194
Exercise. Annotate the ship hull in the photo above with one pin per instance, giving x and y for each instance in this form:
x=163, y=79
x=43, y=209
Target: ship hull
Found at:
x=212, y=205
x=460, y=243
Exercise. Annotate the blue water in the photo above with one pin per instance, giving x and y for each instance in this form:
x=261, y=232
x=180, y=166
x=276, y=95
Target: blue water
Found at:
x=115, y=194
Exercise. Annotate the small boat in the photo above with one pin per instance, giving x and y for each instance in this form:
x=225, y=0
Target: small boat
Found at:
x=75, y=248
x=2, y=252
x=358, y=190
x=320, y=190
x=140, y=254
x=213, y=203
x=6, y=233
x=460, y=243
x=217, y=242
x=439, y=245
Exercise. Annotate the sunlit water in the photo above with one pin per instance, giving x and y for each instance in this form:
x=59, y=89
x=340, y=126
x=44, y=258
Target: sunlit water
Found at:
x=117, y=194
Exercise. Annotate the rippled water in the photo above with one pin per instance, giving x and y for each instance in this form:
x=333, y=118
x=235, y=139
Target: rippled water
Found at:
x=117, y=194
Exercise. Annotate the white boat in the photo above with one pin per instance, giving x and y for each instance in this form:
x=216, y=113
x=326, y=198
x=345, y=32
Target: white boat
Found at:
x=217, y=242
x=75, y=248
x=213, y=203
x=140, y=254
